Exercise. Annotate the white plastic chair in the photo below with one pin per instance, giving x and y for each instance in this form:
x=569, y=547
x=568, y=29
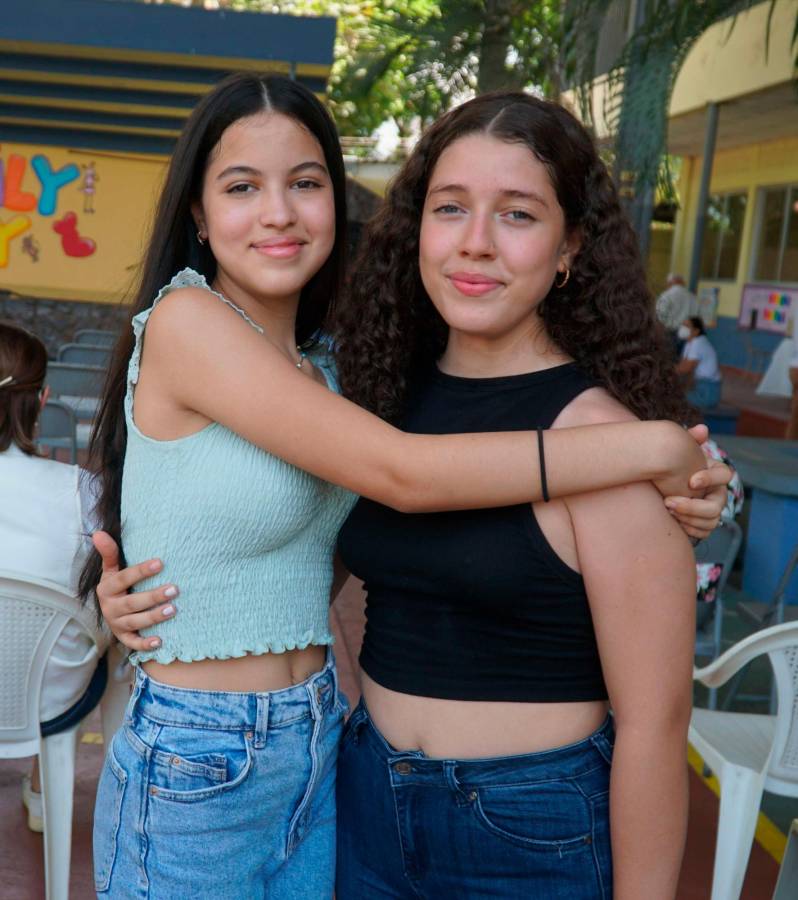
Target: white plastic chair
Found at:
x=748, y=753
x=34, y=612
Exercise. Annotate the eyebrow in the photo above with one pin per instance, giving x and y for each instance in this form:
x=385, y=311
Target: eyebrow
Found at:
x=250, y=170
x=510, y=193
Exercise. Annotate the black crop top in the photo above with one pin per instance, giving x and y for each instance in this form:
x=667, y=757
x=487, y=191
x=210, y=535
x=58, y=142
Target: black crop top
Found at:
x=475, y=604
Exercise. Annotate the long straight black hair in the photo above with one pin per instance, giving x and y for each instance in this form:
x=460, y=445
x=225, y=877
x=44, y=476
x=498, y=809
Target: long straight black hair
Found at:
x=173, y=246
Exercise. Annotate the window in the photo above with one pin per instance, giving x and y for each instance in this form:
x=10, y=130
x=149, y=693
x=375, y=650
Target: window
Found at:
x=776, y=256
x=720, y=252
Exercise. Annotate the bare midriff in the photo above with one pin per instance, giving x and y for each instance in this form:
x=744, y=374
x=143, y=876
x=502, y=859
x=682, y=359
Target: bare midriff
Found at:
x=266, y=672
x=474, y=729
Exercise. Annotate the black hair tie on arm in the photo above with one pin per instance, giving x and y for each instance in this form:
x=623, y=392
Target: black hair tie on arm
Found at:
x=544, y=486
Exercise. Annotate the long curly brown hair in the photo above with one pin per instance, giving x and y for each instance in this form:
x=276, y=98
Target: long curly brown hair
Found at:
x=388, y=331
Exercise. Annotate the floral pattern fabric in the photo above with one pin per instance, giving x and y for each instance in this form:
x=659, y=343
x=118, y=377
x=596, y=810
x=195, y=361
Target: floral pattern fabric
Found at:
x=708, y=573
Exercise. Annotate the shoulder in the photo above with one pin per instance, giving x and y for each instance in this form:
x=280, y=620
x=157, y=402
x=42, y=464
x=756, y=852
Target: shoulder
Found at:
x=595, y=406
x=190, y=315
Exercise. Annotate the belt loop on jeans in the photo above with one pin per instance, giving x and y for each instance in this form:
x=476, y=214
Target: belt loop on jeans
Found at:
x=461, y=798
x=138, y=687
x=261, y=721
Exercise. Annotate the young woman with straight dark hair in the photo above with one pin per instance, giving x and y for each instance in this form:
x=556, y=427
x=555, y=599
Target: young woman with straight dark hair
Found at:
x=214, y=436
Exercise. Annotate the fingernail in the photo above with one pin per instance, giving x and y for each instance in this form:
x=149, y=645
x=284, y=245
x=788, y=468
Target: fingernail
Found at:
x=155, y=565
x=671, y=504
x=155, y=642
x=171, y=591
x=168, y=610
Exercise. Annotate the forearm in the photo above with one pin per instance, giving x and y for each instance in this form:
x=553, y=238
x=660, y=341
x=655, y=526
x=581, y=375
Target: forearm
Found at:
x=433, y=473
x=648, y=811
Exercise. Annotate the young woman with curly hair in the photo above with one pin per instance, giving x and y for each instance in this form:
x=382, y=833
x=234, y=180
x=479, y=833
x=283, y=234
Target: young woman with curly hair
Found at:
x=501, y=288
x=227, y=759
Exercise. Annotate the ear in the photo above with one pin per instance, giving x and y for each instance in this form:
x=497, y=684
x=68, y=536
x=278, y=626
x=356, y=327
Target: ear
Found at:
x=199, y=217
x=45, y=395
x=569, y=250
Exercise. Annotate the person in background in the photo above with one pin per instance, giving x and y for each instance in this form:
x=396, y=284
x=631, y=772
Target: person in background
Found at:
x=792, y=426
x=675, y=304
x=44, y=521
x=699, y=364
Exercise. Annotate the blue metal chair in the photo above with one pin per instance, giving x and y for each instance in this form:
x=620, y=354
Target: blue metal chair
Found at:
x=95, y=337
x=721, y=547
x=84, y=354
x=78, y=386
x=58, y=428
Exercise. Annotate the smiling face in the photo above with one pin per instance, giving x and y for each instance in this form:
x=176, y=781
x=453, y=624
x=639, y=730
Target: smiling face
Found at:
x=267, y=208
x=492, y=238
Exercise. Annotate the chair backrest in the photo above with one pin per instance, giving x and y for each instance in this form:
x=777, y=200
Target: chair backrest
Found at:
x=780, y=642
x=58, y=428
x=96, y=337
x=84, y=354
x=72, y=380
x=783, y=769
x=34, y=612
x=722, y=546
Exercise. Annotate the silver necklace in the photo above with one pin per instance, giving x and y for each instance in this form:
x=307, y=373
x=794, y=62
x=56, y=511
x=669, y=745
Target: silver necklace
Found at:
x=259, y=328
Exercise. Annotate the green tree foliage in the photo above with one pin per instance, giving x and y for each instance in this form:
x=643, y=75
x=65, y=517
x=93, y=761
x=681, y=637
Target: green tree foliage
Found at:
x=641, y=80
x=410, y=60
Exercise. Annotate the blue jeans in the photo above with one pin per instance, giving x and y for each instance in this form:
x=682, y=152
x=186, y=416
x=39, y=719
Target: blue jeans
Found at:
x=533, y=826
x=704, y=394
x=222, y=795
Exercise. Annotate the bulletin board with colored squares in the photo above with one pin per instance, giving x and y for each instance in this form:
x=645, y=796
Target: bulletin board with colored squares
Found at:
x=766, y=307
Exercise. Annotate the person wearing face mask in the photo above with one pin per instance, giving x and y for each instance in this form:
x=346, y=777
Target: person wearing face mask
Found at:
x=699, y=364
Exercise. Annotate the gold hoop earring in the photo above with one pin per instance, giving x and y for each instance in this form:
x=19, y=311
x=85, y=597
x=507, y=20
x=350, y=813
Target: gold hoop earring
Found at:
x=200, y=238
x=564, y=281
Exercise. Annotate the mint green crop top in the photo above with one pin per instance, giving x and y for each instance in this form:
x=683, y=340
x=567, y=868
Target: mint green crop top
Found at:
x=248, y=538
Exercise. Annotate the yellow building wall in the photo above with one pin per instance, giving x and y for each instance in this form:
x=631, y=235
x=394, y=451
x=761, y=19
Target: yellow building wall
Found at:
x=727, y=62
x=72, y=242
x=744, y=168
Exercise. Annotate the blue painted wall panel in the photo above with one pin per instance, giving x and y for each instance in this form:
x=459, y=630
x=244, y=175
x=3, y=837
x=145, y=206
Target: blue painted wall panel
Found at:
x=730, y=342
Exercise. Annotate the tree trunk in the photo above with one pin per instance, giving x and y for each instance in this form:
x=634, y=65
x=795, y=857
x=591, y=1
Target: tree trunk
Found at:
x=493, y=72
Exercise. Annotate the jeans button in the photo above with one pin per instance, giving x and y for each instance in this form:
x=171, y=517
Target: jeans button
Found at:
x=402, y=768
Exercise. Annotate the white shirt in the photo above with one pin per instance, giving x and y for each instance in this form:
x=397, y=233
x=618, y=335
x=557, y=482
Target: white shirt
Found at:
x=46, y=511
x=674, y=305
x=700, y=349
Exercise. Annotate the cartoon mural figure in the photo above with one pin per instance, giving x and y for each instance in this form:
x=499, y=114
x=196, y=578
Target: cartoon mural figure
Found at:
x=31, y=246
x=87, y=186
x=71, y=242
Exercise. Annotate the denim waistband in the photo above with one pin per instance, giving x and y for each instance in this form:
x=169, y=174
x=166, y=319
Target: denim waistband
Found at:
x=559, y=762
x=231, y=710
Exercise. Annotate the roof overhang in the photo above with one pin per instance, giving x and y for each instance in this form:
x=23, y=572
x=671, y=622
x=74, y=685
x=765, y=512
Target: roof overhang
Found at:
x=112, y=75
x=765, y=115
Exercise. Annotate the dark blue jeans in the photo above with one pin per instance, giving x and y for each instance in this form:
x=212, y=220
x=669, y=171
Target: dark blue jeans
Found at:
x=533, y=826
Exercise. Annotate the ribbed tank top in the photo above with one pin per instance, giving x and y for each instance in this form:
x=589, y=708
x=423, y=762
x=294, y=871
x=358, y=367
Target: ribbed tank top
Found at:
x=475, y=604
x=247, y=537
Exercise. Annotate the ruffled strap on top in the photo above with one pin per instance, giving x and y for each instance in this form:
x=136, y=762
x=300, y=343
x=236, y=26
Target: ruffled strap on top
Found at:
x=185, y=278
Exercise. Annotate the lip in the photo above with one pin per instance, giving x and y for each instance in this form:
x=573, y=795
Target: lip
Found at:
x=279, y=248
x=473, y=284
